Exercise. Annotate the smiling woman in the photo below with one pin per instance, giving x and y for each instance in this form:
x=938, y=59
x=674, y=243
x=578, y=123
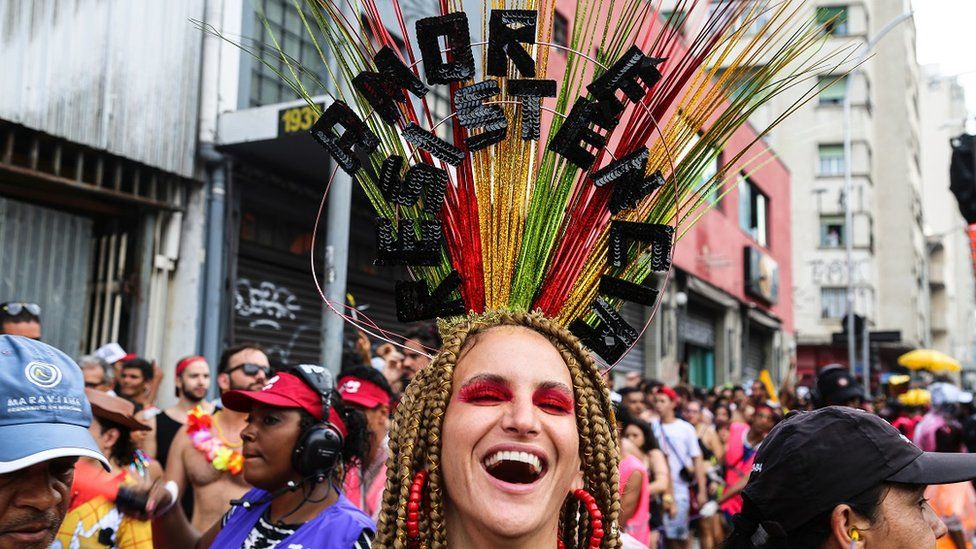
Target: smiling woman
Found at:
x=505, y=440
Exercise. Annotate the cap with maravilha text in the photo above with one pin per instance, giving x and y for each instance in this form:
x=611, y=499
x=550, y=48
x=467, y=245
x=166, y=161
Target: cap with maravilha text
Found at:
x=813, y=461
x=44, y=413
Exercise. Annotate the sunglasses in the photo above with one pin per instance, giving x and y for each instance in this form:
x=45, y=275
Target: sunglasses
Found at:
x=251, y=369
x=14, y=309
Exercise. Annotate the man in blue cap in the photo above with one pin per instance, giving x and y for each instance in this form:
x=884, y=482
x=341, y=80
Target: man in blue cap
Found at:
x=44, y=419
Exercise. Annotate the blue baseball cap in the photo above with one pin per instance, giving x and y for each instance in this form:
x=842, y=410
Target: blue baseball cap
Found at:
x=44, y=413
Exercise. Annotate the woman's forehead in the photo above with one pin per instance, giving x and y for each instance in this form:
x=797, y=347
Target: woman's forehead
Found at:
x=512, y=352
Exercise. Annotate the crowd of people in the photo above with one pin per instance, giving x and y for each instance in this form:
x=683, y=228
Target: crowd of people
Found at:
x=290, y=456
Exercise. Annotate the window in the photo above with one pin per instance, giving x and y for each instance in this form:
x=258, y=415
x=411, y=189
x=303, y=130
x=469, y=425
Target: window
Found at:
x=740, y=84
x=832, y=232
x=753, y=209
x=560, y=31
x=833, y=303
x=832, y=89
x=831, y=160
x=833, y=19
x=708, y=171
x=286, y=28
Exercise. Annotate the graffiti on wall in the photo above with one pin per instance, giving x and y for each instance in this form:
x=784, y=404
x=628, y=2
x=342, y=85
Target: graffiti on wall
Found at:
x=264, y=303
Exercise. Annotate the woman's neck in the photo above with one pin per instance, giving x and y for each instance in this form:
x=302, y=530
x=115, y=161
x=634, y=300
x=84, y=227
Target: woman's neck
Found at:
x=465, y=532
x=294, y=507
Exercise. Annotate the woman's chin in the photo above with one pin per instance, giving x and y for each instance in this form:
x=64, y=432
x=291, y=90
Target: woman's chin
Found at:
x=515, y=522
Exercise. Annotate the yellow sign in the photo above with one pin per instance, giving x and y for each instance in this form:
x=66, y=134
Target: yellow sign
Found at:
x=297, y=119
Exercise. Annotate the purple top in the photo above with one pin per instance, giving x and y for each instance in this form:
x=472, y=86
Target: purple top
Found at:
x=338, y=526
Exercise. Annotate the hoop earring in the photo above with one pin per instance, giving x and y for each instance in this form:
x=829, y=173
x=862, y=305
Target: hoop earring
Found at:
x=414, y=504
x=596, y=519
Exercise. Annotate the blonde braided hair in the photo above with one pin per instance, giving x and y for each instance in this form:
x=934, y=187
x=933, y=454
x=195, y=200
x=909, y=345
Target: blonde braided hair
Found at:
x=415, y=443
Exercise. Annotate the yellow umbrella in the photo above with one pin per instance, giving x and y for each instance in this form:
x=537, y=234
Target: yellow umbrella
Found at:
x=929, y=359
x=915, y=397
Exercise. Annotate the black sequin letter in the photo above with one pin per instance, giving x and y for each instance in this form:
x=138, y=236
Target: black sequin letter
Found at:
x=507, y=30
x=420, y=178
x=576, y=129
x=384, y=89
x=414, y=300
x=612, y=336
x=419, y=137
x=454, y=27
x=624, y=75
x=630, y=184
x=355, y=134
x=658, y=237
x=531, y=92
x=472, y=114
x=403, y=248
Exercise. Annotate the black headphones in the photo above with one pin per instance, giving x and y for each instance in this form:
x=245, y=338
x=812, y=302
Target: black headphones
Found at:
x=319, y=447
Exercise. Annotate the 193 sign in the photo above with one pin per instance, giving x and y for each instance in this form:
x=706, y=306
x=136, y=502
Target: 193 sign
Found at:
x=297, y=119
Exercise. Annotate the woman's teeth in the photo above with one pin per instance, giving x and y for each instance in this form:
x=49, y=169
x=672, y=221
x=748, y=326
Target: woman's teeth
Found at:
x=531, y=460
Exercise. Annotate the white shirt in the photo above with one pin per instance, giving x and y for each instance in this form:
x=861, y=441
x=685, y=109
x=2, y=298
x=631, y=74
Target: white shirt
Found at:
x=679, y=442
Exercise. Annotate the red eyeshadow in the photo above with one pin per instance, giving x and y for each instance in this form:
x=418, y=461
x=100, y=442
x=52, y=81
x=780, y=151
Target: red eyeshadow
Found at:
x=485, y=392
x=553, y=400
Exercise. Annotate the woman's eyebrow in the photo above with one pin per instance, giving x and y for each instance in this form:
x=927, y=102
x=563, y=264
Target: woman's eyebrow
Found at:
x=485, y=378
x=562, y=387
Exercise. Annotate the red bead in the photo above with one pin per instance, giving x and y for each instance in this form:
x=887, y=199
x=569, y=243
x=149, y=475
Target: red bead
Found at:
x=413, y=515
x=413, y=506
x=596, y=524
x=598, y=533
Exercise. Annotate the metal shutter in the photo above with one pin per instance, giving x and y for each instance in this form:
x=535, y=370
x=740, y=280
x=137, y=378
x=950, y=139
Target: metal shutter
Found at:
x=45, y=258
x=279, y=308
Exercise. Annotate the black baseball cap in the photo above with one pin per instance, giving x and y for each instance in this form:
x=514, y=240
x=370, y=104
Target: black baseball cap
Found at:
x=813, y=461
x=836, y=386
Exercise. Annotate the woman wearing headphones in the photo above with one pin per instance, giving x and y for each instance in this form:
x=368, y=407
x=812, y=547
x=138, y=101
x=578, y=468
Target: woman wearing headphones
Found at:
x=298, y=442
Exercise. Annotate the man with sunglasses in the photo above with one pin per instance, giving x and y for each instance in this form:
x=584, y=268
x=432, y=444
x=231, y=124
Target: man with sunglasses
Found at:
x=204, y=459
x=20, y=318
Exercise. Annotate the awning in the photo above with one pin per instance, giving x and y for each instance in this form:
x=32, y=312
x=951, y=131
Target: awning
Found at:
x=277, y=137
x=768, y=321
x=711, y=293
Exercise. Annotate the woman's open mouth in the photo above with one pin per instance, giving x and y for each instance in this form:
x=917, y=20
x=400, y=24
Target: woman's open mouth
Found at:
x=515, y=467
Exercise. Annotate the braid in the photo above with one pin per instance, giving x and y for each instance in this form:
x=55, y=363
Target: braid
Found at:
x=425, y=401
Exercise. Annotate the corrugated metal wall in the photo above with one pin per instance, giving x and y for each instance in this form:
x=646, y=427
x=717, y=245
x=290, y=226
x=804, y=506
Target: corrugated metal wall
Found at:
x=45, y=258
x=117, y=75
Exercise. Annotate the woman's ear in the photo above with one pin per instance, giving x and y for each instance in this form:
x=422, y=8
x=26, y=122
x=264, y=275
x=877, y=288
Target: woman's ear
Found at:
x=577, y=481
x=846, y=528
x=110, y=437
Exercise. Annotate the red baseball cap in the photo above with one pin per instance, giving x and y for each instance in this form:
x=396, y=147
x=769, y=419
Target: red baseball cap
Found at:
x=284, y=390
x=669, y=392
x=365, y=393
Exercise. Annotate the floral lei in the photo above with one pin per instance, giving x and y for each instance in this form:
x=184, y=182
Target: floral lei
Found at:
x=199, y=425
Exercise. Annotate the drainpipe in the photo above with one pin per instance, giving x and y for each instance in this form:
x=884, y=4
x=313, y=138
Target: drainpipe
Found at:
x=215, y=165
x=211, y=331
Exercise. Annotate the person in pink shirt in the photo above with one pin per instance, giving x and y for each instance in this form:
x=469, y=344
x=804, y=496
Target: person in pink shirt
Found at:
x=635, y=491
x=366, y=389
x=744, y=442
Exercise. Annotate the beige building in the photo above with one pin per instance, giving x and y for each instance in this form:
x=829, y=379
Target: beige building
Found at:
x=889, y=246
x=950, y=273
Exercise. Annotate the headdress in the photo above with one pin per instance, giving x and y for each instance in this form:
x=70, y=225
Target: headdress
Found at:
x=562, y=193
x=555, y=189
